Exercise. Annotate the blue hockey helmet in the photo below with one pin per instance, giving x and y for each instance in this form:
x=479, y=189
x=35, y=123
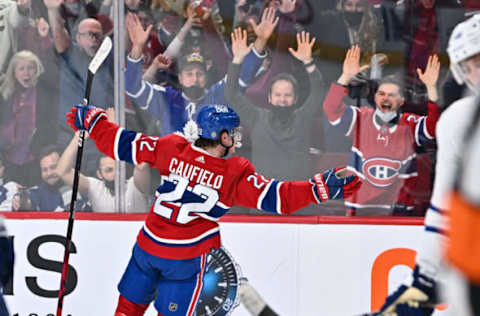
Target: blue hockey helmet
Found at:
x=215, y=118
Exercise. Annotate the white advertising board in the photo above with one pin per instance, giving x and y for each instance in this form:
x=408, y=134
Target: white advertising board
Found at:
x=299, y=269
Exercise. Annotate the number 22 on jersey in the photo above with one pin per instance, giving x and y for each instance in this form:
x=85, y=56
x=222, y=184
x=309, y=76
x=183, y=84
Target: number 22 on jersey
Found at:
x=175, y=192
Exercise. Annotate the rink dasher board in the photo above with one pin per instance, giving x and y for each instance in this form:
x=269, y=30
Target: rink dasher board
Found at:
x=299, y=269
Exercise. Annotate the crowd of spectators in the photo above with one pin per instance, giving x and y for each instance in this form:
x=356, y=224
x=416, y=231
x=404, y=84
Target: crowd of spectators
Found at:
x=299, y=113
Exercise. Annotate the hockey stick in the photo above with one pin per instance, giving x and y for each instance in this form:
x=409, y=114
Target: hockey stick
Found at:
x=253, y=302
x=96, y=62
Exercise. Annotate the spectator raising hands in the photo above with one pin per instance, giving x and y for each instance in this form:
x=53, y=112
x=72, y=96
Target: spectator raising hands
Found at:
x=430, y=77
x=396, y=135
x=265, y=28
x=42, y=27
x=160, y=62
x=351, y=66
x=286, y=120
x=304, y=48
x=138, y=35
x=240, y=48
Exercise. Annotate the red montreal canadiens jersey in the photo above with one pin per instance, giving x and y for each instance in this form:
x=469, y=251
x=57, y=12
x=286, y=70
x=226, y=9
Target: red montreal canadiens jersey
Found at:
x=382, y=156
x=197, y=189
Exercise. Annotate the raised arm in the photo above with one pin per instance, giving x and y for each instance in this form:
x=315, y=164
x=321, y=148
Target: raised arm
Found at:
x=138, y=36
x=264, y=29
x=280, y=59
x=160, y=62
x=65, y=166
x=140, y=91
x=430, y=77
x=240, y=48
x=113, y=140
x=233, y=94
x=424, y=128
x=340, y=115
x=304, y=54
x=270, y=195
x=173, y=49
x=304, y=50
x=60, y=34
x=351, y=66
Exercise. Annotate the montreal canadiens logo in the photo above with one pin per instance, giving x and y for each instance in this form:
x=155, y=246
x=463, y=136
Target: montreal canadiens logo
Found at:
x=381, y=172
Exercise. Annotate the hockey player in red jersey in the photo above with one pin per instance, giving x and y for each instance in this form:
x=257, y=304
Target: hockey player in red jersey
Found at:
x=384, y=139
x=200, y=183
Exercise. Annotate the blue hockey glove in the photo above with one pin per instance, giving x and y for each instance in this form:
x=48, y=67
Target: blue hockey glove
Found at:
x=84, y=117
x=330, y=185
x=419, y=299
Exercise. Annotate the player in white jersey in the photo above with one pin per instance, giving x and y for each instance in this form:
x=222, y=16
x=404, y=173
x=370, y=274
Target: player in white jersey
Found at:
x=463, y=248
x=421, y=288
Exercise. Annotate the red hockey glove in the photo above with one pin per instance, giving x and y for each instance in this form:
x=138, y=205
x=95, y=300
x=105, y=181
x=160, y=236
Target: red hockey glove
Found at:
x=330, y=185
x=84, y=117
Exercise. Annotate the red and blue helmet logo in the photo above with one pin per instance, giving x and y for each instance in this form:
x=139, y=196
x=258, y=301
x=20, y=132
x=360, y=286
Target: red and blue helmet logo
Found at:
x=381, y=172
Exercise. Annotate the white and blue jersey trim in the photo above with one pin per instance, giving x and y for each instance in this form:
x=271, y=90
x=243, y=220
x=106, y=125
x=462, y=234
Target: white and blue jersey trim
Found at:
x=181, y=242
x=435, y=220
x=409, y=167
x=346, y=122
x=354, y=110
x=215, y=213
x=125, y=148
x=138, y=93
x=355, y=162
x=421, y=134
x=269, y=200
x=95, y=120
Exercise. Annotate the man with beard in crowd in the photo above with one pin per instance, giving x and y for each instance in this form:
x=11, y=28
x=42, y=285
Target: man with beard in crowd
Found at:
x=51, y=194
x=47, y=196
x=384, y=138
x=100, y=191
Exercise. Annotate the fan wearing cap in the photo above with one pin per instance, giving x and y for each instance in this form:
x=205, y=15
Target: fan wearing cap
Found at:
x=175, y=107
x=193, y=76
x=201, y=181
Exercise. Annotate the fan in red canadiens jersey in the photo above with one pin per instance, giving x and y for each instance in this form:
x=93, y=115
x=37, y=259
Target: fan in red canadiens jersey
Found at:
x=201, y=181
x=384, y=138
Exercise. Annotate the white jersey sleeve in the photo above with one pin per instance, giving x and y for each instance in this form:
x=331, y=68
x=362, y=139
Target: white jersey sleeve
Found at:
x=136, y=201
x=450, y=134
x=100, y=197
x=3, y=228
x=469, y=185
x=104, y=202
x=7, y=192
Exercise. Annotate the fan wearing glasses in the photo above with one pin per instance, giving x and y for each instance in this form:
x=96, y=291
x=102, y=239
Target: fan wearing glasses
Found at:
x=75, y=48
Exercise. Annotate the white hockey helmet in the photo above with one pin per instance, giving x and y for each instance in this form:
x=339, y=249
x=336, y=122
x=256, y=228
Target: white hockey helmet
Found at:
x=463, y=44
